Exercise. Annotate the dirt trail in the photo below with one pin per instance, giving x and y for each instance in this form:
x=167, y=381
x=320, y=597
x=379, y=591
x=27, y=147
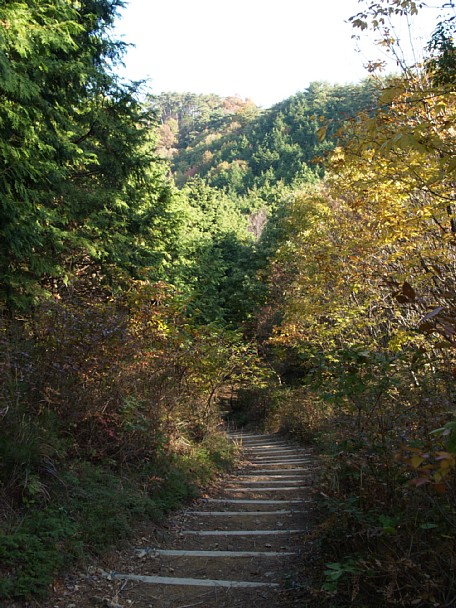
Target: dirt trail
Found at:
x=242, y=546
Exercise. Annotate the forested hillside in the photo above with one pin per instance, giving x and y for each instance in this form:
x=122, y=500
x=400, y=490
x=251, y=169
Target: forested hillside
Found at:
x=161, y=258
x=238, y=147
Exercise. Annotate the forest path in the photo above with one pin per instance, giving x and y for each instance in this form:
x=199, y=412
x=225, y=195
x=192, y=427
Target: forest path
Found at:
x=240, y=546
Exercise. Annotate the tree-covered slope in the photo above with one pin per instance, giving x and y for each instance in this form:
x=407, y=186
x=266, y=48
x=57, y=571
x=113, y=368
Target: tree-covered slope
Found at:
x=236, y=146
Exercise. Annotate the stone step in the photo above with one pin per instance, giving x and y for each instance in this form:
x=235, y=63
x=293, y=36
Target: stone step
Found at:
x=261, y=444
x=259, y=438
x=253, y=435
x=271, y=481
x=270, y=445
x=268, y=476
x=270, y=471
x=266, y=444
x=280, y=459
x=196, y=582
x=241, y=501
x=272, y=448
x=215, y=554
x=241, y=513
x=276, y=447
x=247, y=454
x=275, y=463
x=264, y=489
x=280, y=456
x=240, y=532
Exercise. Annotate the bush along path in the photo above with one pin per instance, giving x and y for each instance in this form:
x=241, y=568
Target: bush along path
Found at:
x=241, y=545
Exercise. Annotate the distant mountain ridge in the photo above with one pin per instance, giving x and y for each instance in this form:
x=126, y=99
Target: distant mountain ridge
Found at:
x=236, y=146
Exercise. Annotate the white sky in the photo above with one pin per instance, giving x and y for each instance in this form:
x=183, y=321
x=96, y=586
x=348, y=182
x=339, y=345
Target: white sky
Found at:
x=265, y=50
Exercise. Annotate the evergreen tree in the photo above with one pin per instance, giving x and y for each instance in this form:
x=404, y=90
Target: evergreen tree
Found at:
x=75, y=148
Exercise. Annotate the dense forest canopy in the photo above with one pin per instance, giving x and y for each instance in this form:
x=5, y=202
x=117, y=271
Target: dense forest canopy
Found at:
x=161, y=257
x=237, y=147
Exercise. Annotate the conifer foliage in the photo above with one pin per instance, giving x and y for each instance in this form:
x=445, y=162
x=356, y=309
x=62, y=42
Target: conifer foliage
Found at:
x=74, y=145
x=107, y=381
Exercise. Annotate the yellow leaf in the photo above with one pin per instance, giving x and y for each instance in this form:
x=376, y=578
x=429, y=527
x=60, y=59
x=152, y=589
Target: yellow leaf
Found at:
x=416, y=461
x=321, y=133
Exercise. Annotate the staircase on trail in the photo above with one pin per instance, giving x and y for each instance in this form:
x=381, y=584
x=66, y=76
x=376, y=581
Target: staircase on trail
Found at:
x=241, y=546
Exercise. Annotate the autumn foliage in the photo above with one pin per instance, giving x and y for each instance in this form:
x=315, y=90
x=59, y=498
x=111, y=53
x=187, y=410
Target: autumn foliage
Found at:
x=370, y=320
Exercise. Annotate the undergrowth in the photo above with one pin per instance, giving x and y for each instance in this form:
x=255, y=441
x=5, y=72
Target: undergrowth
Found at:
x=384, y=498
x=385, y=492
x=108, y=416
x=91, y=507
